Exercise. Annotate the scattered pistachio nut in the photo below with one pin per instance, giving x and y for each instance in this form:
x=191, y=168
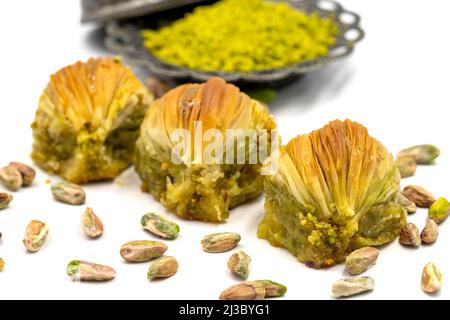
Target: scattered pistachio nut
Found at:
x=157, y=87
x=439, y=210
x=239, y=264
x=68, y=193
x=87, y=271
x=5, y=200
x=2, y=264
x=409, y=236
x=409, y=206
x=244, y=291
x=421, y=197
x=220, y=242
x=35, y=235
x=360, y=260
x=160, y=226
x=431, y=278
x=91, y=224
x=163, y=267
x=27, y=172
x=407, y=166
x=142, y=251
x=351, y=287
x=423, y=154
x=430, y=233
x=11, y=178
x=273, y=289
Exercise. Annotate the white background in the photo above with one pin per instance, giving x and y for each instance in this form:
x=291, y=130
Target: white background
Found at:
x=396, y=84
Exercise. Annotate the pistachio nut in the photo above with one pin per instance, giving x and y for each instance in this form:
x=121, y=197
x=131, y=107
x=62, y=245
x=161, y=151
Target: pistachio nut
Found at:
x=11, y=178
x=68, y=193
x=142, y=251
x=360, y=260
x=421, y=197
x=163, y=267
x=35, y=235
x=160, y=226
x=439, y=210
x=27, y=172
x=409, y=206
x=431, y=278
x=430, y=233
x=409, y=236
x=407, y=166
x=91, y=224
x=244, y=291
x=220, y=242
x=423, y=154
x=5, y=200
x=351, y=287
x=239, y=264
x=273, y=289
x=87, y=271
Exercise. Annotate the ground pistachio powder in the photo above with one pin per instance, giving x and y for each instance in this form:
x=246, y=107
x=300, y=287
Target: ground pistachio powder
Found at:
x=236, y=35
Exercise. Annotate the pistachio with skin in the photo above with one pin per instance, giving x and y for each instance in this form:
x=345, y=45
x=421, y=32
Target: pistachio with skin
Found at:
x=439, y=210
x=142, y=251
x=421, y=197
x=430, y=233
x=220, y=242
x=27, y=172
x=11, y=178
x=409, y=206
x=80, y=270
x=2, y=264
x=244, y=291
x=273, y=289
x=431, y=278
x=163, y=267
x=407, y=166
x=423, y=154
x=69, y=193
x=160, y=226
x=5, y=200
x=409, y=236
x=239, y=264
x=351, y=287
x=35, y=235
x=91, y=224
x=360, y=260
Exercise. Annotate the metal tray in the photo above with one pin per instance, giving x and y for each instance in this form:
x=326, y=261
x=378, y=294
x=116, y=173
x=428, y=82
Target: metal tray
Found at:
x=124, y=38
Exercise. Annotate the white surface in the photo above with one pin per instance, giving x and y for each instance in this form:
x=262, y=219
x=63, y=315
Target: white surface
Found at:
x=396, y=84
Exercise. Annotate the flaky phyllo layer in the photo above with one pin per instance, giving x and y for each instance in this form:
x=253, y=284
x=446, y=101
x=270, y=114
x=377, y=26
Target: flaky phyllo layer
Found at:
x=88, y=120
x=196, y=189
x=336, y=190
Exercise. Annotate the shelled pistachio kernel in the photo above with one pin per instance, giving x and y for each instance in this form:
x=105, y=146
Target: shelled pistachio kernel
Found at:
x=69, y=193
x=163, y=267
x=360, y=260
x=5, y=200
x=244, y=291
x=91, y=224
x=431, y=278
x=11, y=178
x=35, y=235
x=409, y=235
x=142, y=251
x=439, y=210
x=160, y=226
x=409, y=206
x=273, y=289
x=407, y=166
x=239, y=264
x=2, y=264
x=87, y=271
x=27, y=172
x=423, y=154
x=421, y=197
x=430, y=233
x=351, y=287
x=220, y=242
